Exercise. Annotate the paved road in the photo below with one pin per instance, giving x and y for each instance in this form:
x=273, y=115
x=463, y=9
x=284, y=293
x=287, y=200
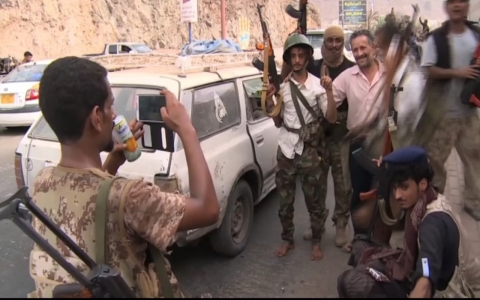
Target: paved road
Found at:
x=255, y=273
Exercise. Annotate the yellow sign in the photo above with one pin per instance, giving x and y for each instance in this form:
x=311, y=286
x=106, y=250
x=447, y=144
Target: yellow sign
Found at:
x=7, y=99
x=244, y=33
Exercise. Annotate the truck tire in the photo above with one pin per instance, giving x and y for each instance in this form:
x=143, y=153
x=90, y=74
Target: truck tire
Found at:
x=232, y=236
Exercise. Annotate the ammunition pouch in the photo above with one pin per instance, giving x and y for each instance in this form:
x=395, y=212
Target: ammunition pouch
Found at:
x=310, y=134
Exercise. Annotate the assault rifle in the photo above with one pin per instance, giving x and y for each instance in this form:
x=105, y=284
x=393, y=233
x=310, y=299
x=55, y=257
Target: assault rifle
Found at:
x=102, y=282
x=268, y=67
x=299, y=14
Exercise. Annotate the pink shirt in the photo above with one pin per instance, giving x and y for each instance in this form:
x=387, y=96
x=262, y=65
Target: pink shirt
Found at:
x=360, y=93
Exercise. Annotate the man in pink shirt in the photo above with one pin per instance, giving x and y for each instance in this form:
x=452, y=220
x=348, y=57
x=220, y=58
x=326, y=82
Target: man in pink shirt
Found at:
x=361, y=85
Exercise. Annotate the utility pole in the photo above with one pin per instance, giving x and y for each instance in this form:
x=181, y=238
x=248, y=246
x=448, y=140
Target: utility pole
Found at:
x=223, y=18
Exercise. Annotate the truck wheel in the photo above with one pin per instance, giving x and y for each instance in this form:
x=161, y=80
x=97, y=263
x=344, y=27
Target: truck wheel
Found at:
x=232, y=236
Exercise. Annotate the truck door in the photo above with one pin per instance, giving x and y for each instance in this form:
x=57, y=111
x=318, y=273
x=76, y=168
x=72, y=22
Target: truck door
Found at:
x=261, y=128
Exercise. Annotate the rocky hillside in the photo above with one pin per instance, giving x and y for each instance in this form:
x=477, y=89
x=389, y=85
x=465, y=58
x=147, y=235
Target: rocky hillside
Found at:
x=429, y=9
x=53, y=28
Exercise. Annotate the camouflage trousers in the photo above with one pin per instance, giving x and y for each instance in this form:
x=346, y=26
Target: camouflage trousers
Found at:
x=308, y=167
x=463, y=133
x=336, y=156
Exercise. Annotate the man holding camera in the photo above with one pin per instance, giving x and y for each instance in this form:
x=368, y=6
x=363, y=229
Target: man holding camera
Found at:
x=77, y=102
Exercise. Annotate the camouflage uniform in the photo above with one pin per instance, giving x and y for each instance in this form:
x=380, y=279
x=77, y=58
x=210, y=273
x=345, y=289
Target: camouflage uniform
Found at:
x=307, y=166
x=334, y=152
x=68, y=197
x=461, y=133
x=300, y=154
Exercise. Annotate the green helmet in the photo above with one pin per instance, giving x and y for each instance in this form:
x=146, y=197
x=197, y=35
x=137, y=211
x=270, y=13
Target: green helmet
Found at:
x=295, y=39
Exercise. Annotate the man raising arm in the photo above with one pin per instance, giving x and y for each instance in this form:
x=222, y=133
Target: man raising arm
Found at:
x=77, y=102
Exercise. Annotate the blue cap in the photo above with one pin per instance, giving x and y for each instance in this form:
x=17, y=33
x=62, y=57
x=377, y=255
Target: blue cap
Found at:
x=407, y=155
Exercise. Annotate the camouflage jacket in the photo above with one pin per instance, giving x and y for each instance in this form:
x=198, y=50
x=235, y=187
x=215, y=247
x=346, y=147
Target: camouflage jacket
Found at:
x=68, y=197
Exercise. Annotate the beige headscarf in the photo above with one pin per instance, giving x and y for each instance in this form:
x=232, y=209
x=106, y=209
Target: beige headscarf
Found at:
x=330, y=59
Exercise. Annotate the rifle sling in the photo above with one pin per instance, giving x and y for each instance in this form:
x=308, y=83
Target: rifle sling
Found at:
x=101, y=219
x=296, y=95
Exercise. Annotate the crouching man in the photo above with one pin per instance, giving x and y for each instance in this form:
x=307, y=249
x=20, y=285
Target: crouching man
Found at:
x=436, y=257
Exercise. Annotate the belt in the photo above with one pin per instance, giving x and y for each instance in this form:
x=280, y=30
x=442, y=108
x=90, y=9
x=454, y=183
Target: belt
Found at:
x=296, y=130
x=292, y=130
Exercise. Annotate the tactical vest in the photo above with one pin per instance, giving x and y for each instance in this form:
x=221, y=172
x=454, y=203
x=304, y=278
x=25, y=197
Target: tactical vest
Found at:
x=467, y=273
x=69, y=199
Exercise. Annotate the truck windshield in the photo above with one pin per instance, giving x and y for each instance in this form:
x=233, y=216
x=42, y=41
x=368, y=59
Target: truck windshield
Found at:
x=140, y=48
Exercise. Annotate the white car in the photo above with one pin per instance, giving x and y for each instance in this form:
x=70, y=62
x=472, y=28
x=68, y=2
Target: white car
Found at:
x=19, y=94
x=316, y=36
x=239, y=142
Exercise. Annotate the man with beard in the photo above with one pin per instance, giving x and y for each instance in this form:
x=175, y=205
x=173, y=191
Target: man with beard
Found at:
x=304, y=107
x=336, y=151
x=447, y=53
x=77, y=102
x=436, y=254
x=361, y=85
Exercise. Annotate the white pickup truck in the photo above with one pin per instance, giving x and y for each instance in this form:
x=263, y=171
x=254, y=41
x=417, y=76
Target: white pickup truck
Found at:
x=122, y=48
x=239, y=142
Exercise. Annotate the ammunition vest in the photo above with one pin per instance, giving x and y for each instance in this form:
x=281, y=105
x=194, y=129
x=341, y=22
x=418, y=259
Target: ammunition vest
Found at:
x=467, y=274
x=68, y=197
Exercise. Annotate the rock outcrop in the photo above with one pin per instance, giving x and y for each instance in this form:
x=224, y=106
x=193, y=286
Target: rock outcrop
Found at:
x=55, y=28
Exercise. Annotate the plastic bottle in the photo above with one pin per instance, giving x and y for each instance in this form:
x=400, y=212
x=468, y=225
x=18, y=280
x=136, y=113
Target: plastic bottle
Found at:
x=123, y=134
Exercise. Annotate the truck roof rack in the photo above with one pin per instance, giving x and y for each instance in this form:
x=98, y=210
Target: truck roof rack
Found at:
x=175, y=64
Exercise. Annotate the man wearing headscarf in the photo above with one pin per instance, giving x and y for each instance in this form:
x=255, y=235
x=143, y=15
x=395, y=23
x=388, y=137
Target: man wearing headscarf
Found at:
x=336, y=152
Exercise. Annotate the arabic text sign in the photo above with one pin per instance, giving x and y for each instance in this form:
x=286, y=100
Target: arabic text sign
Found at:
x=355, y=12
x=189, y=11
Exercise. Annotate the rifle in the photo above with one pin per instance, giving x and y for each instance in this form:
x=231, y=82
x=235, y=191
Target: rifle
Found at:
x=382, y=193
x=269, y=68
x=102, y=281
x=299, y=14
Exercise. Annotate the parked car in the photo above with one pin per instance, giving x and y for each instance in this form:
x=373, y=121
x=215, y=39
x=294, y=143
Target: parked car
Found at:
x=19, y=94
x=240, y=146
x=122, y=48
x=316, y=36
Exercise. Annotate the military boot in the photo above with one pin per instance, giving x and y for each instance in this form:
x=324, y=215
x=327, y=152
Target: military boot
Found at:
x=341, y=237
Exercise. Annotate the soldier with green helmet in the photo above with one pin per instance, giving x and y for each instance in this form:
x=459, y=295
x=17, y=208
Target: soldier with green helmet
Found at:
x=304, y=107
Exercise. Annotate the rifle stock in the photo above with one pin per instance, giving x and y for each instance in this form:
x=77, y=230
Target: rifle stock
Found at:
x=299, y=14
x=371, y=167
x=71, y=290
x=366, y=162
x=101, y=282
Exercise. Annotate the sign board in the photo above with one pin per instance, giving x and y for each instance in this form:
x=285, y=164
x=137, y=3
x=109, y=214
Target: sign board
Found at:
x=244, y=32
x=352, y=12
x=189, y=11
